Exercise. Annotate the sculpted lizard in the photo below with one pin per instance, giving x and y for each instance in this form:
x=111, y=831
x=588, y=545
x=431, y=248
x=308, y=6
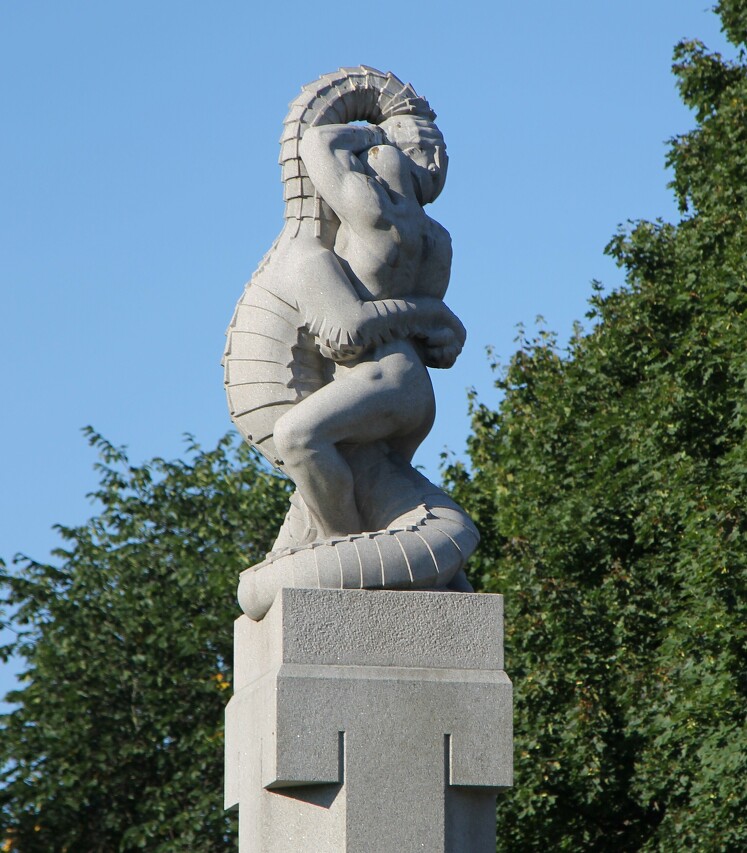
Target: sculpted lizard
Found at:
x=327, y=351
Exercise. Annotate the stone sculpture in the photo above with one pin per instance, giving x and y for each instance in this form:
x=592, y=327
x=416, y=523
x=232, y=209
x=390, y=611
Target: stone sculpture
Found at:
x=328, y=349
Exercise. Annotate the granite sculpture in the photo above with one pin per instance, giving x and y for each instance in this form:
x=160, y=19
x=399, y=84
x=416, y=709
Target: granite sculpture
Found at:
x=327, y=355
x=360, y=721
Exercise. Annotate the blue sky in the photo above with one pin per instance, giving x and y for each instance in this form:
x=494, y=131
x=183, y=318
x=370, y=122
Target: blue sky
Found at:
x=139, y=189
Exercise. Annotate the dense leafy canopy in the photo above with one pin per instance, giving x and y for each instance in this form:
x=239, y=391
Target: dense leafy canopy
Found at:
x=610, y=486
x=116, y=743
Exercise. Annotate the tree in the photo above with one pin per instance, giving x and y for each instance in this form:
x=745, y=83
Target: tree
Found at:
x=610, y=487
x=116, y=743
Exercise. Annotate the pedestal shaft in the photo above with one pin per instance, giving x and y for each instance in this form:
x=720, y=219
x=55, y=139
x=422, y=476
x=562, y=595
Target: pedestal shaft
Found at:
x=369, y=722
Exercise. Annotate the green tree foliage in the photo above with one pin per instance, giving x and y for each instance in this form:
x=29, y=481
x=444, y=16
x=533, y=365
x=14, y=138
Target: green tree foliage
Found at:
x=116, y=742
x=610, y=487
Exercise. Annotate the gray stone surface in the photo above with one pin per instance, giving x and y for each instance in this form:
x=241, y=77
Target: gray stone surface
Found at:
x=327, y=357
x=369, y=722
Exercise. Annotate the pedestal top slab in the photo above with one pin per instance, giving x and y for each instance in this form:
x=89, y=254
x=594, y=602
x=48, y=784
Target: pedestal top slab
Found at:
x=445, y=630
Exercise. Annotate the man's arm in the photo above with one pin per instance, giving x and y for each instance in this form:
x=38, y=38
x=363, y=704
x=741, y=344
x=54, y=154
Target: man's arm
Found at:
x=330, y=154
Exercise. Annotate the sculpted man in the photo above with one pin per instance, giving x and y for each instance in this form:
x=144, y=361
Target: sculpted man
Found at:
x=376, y=180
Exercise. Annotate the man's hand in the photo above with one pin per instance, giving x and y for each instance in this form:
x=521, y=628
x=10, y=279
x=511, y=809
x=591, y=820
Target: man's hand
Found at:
x=410, y=131
x=442, y=348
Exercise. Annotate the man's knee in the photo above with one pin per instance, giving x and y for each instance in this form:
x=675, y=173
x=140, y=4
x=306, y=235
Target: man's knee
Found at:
x=293, y=438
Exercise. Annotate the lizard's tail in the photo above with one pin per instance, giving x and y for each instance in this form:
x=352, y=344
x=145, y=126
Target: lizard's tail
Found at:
x=422, y=541
x=350, y=94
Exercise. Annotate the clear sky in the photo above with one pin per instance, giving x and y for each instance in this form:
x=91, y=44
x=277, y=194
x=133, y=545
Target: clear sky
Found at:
x=139, y=189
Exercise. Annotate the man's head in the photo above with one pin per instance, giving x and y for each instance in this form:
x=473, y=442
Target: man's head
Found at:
x=423, y=144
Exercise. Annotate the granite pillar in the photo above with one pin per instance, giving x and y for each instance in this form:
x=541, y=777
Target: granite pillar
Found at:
x=369, y=721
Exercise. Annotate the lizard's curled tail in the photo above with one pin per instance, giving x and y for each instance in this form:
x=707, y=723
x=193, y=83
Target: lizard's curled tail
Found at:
x=419, y=539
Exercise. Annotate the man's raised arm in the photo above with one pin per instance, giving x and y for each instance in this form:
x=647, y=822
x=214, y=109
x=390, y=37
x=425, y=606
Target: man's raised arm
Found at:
x=330, y=154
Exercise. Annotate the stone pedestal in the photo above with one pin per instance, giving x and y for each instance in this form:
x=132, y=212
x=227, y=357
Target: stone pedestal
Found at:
x=369, y=722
